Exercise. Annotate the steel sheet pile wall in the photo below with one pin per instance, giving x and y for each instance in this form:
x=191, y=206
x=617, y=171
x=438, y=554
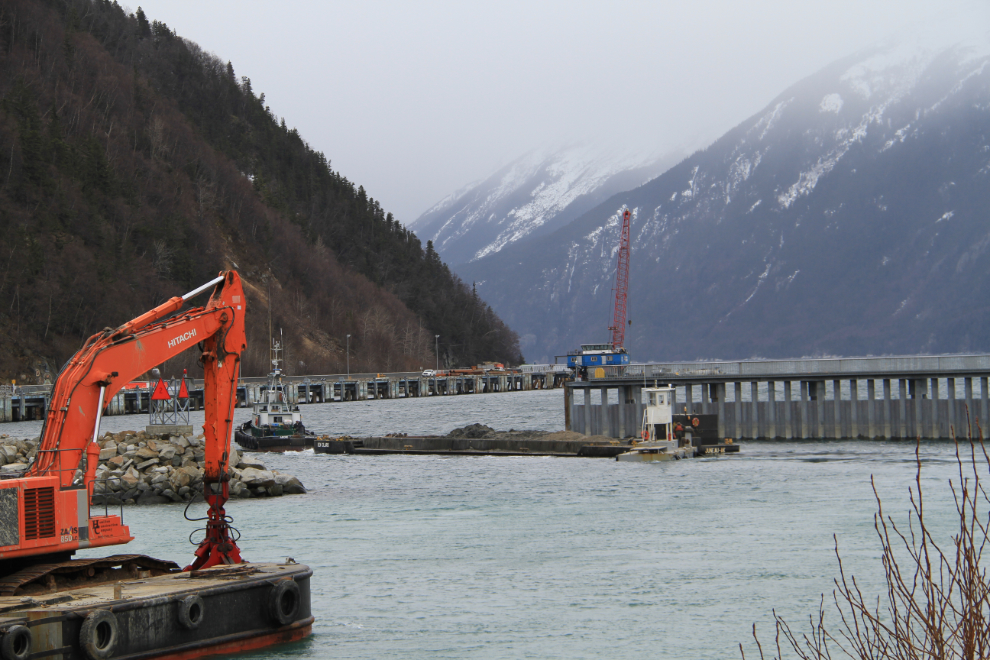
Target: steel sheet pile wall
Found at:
x=585, y=412
x=751, y=407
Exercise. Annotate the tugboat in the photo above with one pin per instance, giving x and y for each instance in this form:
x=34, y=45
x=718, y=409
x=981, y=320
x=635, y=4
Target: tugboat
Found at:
x=276, y=425
x=669, y=437
x=659, y=441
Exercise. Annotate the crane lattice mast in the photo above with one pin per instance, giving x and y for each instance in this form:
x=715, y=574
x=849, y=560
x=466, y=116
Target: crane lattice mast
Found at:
x=618, y=326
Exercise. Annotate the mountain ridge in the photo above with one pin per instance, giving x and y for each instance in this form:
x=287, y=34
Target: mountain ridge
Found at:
x=832, y=181
x=531, y=196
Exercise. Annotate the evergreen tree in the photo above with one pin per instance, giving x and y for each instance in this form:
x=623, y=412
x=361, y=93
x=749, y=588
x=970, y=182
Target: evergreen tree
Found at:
x=144, y=28
x=294, y=181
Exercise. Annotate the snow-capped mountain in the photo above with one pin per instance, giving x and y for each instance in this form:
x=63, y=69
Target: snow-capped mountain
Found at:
x=850, y=217
x=539, y=192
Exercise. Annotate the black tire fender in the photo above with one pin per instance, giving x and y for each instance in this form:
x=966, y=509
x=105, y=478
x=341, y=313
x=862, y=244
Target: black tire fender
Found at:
x=16, y=643
x=191, y=612
x=283, y=602
x=98, y=635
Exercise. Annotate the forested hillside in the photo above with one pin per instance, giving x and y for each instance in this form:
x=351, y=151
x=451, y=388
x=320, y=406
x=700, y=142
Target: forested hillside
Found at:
x=135, y=166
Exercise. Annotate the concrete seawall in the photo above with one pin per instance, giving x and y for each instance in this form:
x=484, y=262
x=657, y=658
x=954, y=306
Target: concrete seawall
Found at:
x=927, y=397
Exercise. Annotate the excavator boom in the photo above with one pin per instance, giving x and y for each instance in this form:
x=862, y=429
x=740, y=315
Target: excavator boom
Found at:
x=46, y=512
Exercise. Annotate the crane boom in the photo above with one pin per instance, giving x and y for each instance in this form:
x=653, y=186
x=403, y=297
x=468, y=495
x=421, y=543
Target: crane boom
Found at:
x=53, y=517
x=614, y=352
x=618, y=326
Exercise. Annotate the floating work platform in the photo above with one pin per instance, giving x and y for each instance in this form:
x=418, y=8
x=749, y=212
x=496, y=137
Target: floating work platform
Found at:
x=425, y=444
x=655, y=454
x=224, y=609
x=443, y=445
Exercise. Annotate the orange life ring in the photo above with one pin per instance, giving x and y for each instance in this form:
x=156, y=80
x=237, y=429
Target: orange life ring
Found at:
x=646, y=434
x=695, y=422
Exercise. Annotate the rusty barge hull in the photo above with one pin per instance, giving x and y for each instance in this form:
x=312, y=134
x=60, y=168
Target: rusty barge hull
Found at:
x=180, y=615
x=445, y=445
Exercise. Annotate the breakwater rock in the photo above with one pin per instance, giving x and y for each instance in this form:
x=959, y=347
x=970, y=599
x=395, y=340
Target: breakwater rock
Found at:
x=140, y=468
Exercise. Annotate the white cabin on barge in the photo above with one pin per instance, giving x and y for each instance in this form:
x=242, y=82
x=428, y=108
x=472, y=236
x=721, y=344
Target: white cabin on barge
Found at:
x=658, y=441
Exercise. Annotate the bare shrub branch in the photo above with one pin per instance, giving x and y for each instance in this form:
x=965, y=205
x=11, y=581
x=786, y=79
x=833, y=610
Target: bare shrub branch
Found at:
x=937, y=600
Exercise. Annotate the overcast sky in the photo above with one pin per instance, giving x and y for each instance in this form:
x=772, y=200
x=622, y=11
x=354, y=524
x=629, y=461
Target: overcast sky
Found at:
x=413, y=100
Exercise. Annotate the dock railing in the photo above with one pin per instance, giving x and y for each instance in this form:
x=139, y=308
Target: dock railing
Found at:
x=941, y=364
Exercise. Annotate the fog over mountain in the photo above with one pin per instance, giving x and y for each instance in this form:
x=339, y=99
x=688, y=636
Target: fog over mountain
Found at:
x=537, y=193
x=434, y=95
x=848, y=217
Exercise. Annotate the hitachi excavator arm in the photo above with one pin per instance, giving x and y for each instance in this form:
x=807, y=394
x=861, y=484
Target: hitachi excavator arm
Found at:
x=46, y=512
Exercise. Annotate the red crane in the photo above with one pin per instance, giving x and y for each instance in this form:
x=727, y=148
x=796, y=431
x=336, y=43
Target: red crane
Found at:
x=618, y=326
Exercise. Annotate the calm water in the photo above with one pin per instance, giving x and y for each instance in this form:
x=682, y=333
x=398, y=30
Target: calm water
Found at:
x=422, y=556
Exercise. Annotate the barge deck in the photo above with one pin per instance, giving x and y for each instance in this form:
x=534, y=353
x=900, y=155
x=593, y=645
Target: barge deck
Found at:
x=180, y=615
x=447, y=446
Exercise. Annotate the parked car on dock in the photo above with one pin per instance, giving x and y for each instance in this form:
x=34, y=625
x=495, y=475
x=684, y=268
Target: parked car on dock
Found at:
x=429, y=373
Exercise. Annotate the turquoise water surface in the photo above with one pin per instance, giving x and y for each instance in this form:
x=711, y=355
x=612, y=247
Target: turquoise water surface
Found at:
x=526, y=557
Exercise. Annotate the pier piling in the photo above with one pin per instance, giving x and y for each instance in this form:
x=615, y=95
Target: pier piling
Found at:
x=858, y=398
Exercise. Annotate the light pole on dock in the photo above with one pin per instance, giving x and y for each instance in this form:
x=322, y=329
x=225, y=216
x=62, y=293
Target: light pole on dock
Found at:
x=348, y=357
x=436, y=349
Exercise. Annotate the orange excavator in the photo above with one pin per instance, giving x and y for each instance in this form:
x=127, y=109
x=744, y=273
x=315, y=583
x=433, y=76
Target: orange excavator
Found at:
x=45, y=514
